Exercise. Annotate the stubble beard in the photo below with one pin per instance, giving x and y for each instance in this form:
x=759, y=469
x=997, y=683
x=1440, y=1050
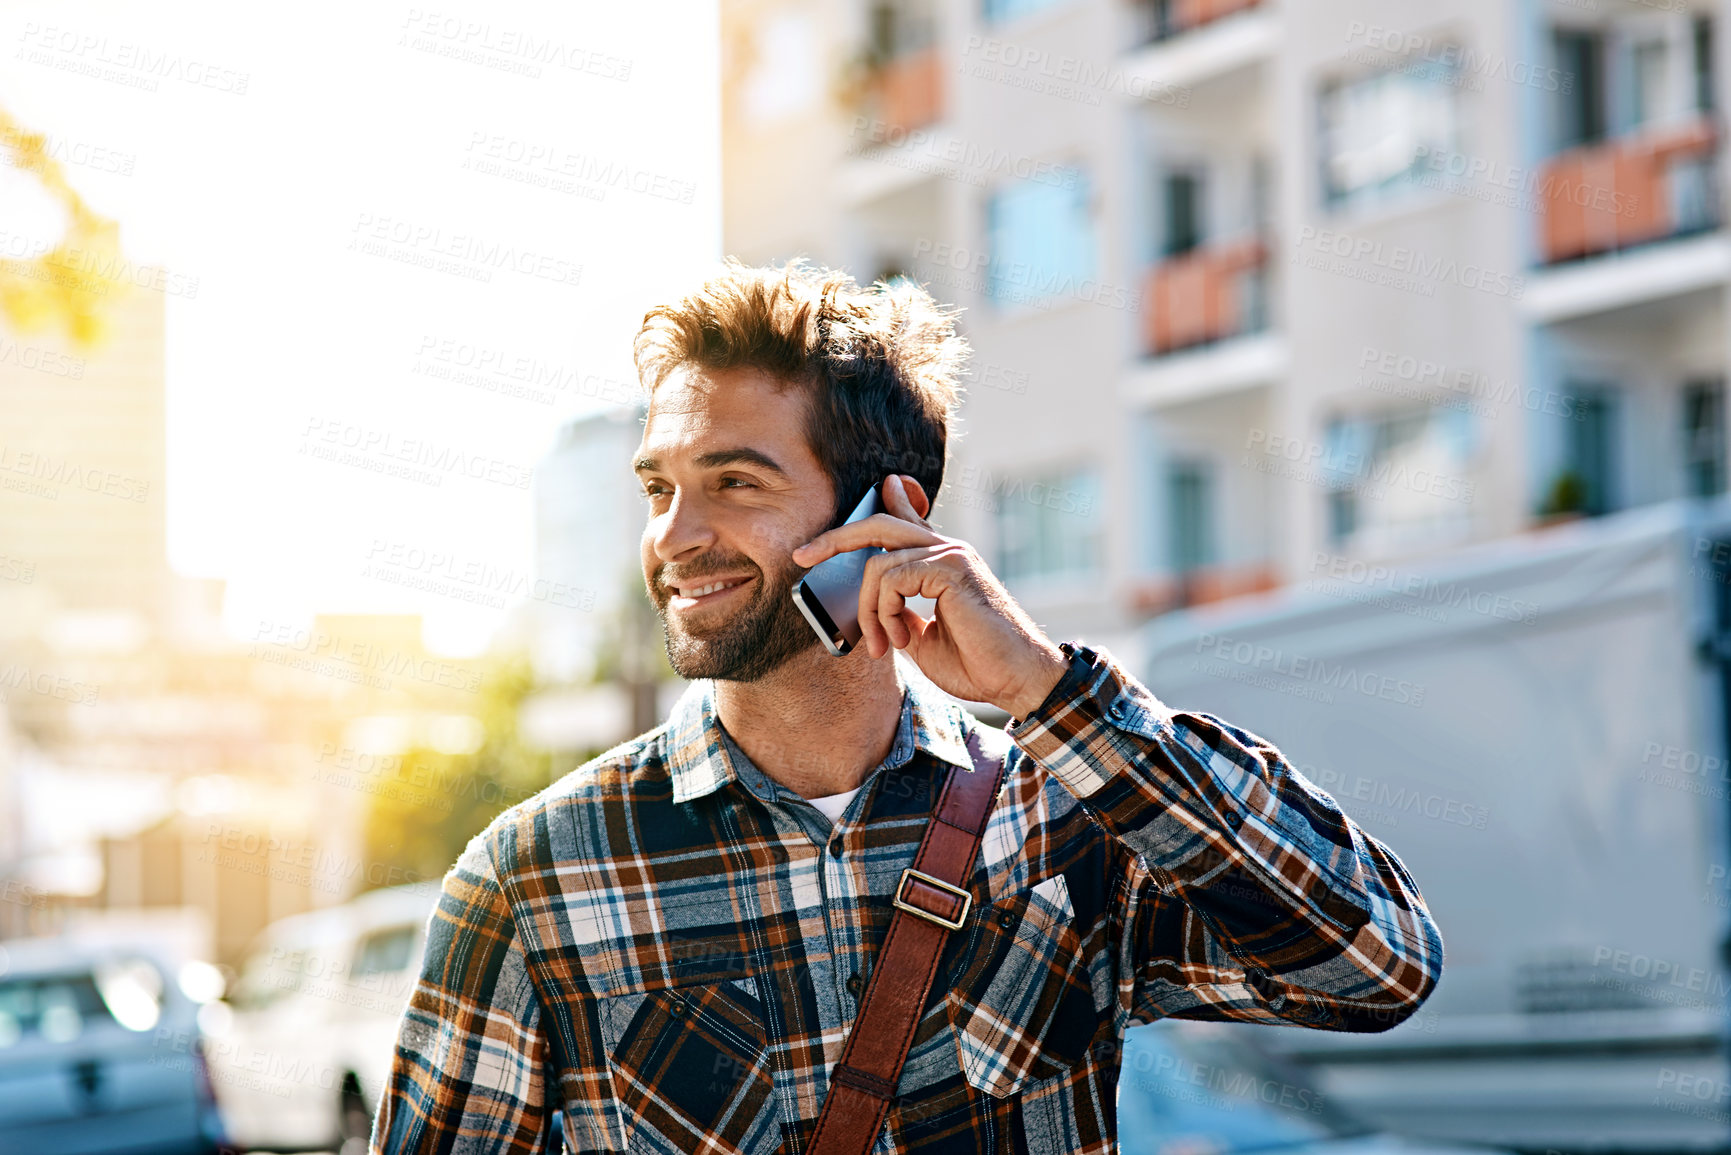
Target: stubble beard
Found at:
x=756, y=641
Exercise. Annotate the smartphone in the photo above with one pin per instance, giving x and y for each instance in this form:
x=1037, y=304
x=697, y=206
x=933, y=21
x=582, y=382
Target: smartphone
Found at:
x=828, y=595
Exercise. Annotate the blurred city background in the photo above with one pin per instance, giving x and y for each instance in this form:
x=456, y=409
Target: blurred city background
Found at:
x=1352, y=369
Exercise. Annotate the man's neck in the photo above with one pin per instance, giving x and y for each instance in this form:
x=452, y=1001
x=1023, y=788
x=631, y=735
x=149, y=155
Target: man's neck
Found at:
x=818, y=724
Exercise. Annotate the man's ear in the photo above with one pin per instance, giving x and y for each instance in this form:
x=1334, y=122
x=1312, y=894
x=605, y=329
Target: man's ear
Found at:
x=916, y=496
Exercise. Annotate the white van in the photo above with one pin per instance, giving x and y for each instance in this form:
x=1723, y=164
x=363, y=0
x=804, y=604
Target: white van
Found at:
x=301, y=1047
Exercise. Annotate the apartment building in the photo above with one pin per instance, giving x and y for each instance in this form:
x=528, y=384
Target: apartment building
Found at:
x=1256, y=285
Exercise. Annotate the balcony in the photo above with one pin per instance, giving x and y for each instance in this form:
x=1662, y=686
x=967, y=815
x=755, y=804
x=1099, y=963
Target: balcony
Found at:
x=1202, y=585
x=1164, y=19
x=1205, y=296
x=1619, y=194
x=906, y=92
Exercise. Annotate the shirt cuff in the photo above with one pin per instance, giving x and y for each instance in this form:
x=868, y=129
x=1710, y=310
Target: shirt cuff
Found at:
x=1091, y=723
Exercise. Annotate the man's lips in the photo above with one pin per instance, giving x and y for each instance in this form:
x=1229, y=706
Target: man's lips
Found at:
x=692, y=594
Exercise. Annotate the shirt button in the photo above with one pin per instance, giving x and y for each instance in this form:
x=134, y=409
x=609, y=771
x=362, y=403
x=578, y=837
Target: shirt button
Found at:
x=1117, y=710
x=835, y=846
x=853, y=985
x=1007, y=920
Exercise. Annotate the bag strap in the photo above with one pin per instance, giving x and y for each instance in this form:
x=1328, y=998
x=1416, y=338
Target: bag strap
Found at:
x=930, y=901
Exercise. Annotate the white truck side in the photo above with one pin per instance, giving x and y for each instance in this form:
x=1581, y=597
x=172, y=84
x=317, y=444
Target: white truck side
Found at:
x=1536, y=727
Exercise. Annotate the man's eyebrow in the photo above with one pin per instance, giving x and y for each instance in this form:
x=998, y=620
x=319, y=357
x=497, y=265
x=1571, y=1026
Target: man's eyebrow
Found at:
x=718, y=458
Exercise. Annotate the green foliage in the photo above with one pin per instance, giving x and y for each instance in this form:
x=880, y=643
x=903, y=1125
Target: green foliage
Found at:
x=420, y=820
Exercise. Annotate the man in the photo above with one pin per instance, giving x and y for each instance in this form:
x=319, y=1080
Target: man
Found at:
x=671, y=944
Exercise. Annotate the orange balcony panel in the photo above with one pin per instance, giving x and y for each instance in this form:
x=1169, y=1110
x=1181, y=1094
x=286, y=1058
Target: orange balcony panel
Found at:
x=1201, y=586
x=1194, y=13
x=909, y=91
x=1609, y=196
x=1193, y=299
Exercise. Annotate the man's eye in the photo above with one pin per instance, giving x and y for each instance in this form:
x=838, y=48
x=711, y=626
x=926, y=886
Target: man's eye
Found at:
x=737, y=483
x=653, y=491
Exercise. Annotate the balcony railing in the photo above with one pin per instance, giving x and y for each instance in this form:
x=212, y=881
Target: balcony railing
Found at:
x=1204, y=296
x=907, y=91
x=1164, y=19
x=1614, y=195
x=1203, y=585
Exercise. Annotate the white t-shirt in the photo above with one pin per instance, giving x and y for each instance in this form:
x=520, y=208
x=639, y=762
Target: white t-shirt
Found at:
x=832, y=805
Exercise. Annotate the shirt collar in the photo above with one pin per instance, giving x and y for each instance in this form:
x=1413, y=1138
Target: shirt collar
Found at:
x=698, y=757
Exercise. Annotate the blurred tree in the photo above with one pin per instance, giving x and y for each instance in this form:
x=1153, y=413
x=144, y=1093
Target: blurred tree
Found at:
x=65, y=287
x=419, y=822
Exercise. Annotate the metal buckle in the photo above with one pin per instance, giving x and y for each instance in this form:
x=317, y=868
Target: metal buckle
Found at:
x=967, y=899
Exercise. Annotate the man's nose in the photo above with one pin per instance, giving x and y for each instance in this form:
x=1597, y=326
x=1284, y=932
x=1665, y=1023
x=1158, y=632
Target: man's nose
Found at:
x=684, y=529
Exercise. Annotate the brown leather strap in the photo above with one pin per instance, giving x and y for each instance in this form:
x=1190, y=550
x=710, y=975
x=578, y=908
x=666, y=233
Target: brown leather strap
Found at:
x=864, y=1081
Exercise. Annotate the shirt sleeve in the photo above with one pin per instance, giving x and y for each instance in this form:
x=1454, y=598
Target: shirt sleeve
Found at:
x=469, y=1071
x=1251, y=896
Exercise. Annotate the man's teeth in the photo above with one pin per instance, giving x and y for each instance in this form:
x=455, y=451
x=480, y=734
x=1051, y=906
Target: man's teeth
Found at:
x=700, y=591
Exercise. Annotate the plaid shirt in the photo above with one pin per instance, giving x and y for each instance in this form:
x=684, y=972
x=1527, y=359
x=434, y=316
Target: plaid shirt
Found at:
x=671, y=948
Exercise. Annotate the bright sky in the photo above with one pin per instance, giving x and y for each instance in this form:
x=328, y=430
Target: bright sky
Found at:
x=304, y=164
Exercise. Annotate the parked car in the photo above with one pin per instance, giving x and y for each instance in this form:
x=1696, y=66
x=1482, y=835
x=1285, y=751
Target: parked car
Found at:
x=100, y=1054
x=1197, y=1088
x=302, y=1044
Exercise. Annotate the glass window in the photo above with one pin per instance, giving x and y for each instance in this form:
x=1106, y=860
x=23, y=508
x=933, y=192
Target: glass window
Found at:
x=1190, y=537
x=1703, y=63
x=1704, y=438
x=1183, y=211
x=1580, y=106
x=1400, y=478
x=1376, y=130
x=56, y=1008
x=1041, y=239
x=1048, y=526
x=385, y=951
x=998, y=11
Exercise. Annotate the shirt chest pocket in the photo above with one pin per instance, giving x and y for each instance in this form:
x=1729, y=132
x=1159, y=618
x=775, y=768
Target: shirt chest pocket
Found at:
x=690, y=1066
x=1020, y=1004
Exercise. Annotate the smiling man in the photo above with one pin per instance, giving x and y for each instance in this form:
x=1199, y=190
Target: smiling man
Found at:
x=822, y=909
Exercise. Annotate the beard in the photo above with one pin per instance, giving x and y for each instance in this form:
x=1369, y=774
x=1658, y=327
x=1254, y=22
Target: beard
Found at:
x=759, y=637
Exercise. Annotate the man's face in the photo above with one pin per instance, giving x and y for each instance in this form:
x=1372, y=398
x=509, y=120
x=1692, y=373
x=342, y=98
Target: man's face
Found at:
x=733, y=488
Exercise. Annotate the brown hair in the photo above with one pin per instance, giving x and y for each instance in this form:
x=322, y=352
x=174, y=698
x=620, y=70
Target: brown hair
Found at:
x=880, y=364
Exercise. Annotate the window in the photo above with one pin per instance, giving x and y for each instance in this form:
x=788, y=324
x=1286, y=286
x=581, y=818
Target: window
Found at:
x=385, y=951
x=1183, y=230
x=1580, y=58
x=1188, y=495
x=1650, y=80
x=1399, y=479
x=1041, y=239
x=1377, y=129
x=1049, y=526
x=1704, y=438
x=998, y=11
x=898, y=28
x=1703, y=65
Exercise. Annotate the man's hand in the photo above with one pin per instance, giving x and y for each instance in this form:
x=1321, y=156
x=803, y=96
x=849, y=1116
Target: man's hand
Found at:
x=979, y=644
